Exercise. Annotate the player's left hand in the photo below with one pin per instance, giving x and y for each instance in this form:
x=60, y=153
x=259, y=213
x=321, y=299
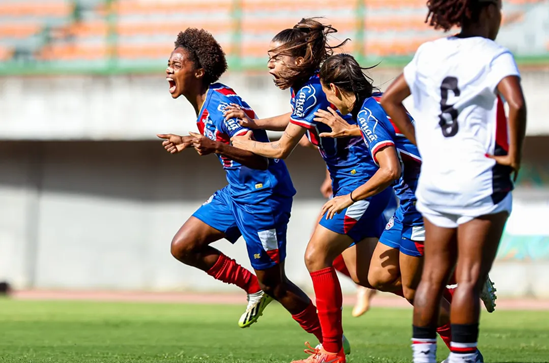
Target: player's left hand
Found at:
x=336, y=205
x=202, y=144
x=340, y=127
x=243, y=141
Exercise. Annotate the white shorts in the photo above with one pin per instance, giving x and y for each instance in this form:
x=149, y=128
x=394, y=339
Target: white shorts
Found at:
x=447, y=220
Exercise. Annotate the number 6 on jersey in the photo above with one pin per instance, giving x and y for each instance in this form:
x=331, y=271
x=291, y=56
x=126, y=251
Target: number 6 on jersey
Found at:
x=448, y=118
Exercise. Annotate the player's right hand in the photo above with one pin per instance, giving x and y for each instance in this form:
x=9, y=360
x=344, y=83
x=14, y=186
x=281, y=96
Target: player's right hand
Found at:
x=508, y=160
x=175, y=143
x=235, y=111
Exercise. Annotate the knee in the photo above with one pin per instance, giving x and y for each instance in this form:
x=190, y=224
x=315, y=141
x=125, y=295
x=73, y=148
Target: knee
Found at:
x=409, y=293
x=382, y=279
x=316, y=259
x=183, y=247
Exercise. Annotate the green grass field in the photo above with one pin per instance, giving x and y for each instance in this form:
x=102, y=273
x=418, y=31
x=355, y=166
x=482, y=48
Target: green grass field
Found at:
x=86, y=332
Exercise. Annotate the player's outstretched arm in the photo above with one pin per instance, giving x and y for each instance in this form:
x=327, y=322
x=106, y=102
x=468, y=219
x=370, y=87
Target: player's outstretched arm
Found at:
x=340, y=127
x=205, y=146
x=175, y=143
x=280, y=149
x=511, y=90
x=391, y=101
x=389, y=171
x=276, y=123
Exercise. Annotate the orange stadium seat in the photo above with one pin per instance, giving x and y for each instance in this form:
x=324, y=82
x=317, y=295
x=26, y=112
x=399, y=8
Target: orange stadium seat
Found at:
x=125, y=7
x=395, y=4
x=36, y=8
x=5, y=53
x=18, y=30
x=292, y=5
x=73, y=51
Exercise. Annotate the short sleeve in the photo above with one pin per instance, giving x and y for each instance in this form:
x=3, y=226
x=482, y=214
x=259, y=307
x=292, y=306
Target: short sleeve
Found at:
x=502, y=65
x=373, y=132
x=410, y=71
x=306, y=103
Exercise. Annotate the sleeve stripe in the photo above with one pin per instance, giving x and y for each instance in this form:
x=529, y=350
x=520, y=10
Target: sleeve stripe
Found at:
x=378, y=146
x=302, y=123
x=241, y=132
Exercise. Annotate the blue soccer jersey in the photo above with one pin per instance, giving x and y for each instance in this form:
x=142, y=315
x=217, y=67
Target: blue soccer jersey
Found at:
x=379, y=131
x=347, y=159
x=244, y=183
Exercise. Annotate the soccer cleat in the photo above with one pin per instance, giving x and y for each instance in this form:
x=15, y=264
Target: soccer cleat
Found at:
x=478, y=359
x=346, y=345
x=256, y=304
x=488, y=295
x=319, y=355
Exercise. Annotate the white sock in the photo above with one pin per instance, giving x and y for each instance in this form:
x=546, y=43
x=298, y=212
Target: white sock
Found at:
x=468, y=353
x=425, y=350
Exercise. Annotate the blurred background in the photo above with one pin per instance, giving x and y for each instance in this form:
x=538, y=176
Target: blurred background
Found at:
x=89, y=199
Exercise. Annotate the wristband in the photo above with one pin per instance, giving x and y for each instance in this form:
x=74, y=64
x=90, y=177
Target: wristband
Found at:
x=351, y=196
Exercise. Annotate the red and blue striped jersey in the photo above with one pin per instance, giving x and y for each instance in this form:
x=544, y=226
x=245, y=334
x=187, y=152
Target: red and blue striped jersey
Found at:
x=379, y=131
x=244, y=182
x=347, y=159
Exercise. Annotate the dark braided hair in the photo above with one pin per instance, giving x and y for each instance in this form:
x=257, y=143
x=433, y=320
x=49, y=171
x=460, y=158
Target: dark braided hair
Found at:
x=344, y=71
x=445, y=14
x=307, y=39
x=204, y=51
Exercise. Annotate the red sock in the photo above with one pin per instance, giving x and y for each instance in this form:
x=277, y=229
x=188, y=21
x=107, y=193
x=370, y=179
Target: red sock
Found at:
x=329, y=300
x=308, y=320
x=448, y=294
x=339, y=265
x=445, y=333
x=230, y=272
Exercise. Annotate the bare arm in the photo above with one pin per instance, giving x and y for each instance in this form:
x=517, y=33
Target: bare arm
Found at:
x=389, y=171
x=205, y=146
x=276, y=123
x=391, y=102
x=280, y=149
x=511, y=90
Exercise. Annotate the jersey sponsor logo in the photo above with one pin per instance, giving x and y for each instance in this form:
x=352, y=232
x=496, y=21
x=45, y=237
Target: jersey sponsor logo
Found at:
x=363, y=117
x=302, y=99
x=232, y=124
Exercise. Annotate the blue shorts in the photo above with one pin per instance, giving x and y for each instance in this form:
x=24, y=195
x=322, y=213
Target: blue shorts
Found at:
x=263, y=225
x=408, y=239
x=362, y=219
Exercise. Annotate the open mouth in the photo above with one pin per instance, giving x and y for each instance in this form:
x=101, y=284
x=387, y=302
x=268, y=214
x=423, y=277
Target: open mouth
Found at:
x=171, y=82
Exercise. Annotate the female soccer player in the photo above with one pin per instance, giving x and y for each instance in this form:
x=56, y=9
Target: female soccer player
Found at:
x=469, y=152
x=255, y=204
x=397, y=259
x=295, y=56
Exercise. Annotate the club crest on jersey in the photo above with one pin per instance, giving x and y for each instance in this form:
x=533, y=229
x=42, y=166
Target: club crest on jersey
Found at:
x=390, y=224
x=302, y=98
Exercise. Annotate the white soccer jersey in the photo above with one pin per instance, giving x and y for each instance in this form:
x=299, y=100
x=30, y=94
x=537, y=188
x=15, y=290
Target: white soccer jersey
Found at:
x=460, y=118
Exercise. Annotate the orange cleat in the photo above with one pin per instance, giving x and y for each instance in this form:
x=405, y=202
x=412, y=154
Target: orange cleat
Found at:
x=319, y=355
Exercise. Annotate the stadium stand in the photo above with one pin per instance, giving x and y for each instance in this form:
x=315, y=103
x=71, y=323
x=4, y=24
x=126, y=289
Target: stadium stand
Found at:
x=141, y=30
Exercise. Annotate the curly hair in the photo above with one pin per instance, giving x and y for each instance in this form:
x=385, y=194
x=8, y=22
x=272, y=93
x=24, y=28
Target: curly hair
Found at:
x=344, y=71
x=445, y=14
x=204, y=51
x=307, y=39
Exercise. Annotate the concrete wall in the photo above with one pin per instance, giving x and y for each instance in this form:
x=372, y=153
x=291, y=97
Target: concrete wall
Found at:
x=139, y=107
x=101, y=215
